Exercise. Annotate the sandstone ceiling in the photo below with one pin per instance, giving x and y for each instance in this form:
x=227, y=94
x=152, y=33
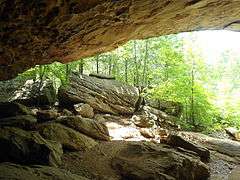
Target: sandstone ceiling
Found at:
x=42, y=31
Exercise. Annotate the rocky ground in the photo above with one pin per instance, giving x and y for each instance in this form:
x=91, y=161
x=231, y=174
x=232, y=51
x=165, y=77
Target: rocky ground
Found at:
x=96, y=133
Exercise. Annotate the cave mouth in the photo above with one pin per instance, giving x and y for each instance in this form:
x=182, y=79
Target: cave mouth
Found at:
x=149, y=105
x=197, y=69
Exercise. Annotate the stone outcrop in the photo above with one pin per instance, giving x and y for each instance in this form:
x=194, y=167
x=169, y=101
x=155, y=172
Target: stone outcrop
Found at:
x=16, y=171
x=103, y=95
x=24, y=147
x=69, y=138
x=137, y=160
x=89, y=127
x=39, y=32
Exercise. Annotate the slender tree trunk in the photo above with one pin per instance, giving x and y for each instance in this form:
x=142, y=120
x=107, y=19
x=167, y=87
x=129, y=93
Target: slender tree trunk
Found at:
x=97, y=61
x=136, y=76
x=81, y=65
x=42, y=71
x=67, y=72
x=144, y=79
x=110, y=65
x=192, y=95
x=126, y=70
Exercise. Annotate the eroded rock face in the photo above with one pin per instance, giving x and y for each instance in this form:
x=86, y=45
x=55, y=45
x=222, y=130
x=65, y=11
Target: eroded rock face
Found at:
x=40, y=32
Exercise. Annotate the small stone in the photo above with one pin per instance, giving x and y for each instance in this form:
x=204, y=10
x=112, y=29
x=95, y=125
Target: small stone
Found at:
x=66, y=112
x=146, y=133
x=85, y=110
x=142, y=121
x=46, y=115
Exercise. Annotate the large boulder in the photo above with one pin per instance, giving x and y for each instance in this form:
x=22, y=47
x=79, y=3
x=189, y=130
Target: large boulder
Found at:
x=34, y=93
x=8, y=109
x=19, y=172
x=103, y=95
x=87, y=126
x=137, y=160
x=69, y=138
x=24, y=147
x=149, y=161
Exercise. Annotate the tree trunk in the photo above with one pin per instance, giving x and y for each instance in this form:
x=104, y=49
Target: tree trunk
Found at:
x=110, y=65
x=97, y=63
x=192, y=95
x=81, y=65
x=145, y=64
x=126, y=70
x=136, y=75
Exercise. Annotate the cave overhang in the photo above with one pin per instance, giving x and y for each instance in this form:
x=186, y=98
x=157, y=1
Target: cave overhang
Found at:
x=41, y=32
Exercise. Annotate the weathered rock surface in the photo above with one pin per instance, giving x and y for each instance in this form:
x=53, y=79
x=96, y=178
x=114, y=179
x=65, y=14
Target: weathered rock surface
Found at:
x=8, y=109
x=18, y=172
x=85, y=110
x=34, y=93
x=136, y=160
x=87, y=126
x=22, y=121
x=39, y=32
x=107, y=96
x=69, y=138
x=24, y=147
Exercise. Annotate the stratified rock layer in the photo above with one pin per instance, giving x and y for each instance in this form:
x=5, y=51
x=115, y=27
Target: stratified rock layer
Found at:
x=103, y=95
x=40, y=32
